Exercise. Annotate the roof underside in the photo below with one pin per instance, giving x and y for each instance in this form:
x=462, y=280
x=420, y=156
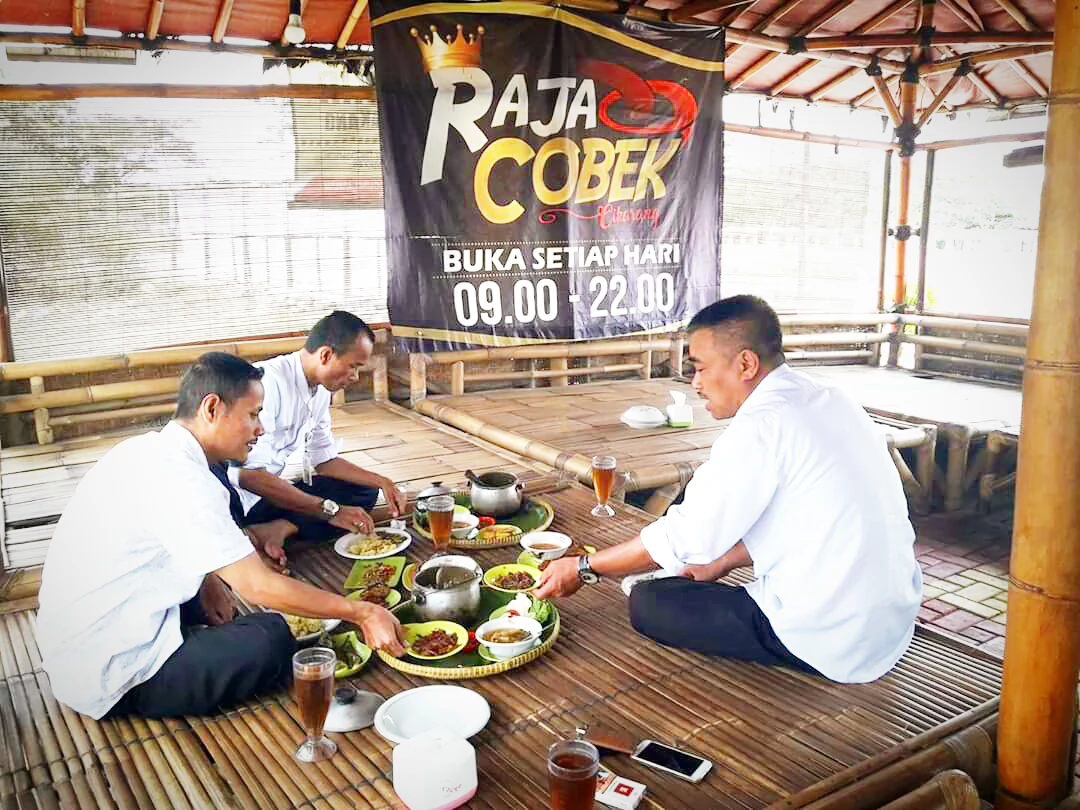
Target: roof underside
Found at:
x=1018, y=28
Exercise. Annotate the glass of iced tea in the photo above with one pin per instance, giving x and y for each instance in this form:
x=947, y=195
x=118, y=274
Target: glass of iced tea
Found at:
x=572, y=767
x=313, y=687
x=603, y=479
x=440, y=509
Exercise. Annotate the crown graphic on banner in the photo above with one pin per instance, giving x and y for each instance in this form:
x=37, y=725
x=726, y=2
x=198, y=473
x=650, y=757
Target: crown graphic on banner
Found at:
x=460, y=51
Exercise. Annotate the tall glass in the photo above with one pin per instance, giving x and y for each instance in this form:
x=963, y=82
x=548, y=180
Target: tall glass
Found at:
x=603, y=479
x=313, y=688
x=440, y=511
x=572, y=767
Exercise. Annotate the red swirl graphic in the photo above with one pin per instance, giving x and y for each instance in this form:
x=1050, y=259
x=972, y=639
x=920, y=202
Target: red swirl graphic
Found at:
x=641, y=97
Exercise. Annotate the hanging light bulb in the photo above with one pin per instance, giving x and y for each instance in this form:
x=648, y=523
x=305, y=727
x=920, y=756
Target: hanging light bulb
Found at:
x=294, y=31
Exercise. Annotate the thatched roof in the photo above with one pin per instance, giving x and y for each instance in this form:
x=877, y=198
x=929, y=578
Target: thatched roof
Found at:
x=805, y=49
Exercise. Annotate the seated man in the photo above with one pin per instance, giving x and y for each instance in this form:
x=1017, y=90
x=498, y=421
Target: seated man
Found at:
x=801, y=486
x=335, y=494
x=142, y=555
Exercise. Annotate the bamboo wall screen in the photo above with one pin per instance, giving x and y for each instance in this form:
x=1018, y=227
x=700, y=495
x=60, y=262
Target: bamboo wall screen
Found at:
x=133, y=223
x=801, y=224
x=984, y=231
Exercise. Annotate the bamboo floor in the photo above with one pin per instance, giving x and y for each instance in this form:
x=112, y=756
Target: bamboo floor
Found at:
x=36, y=481
x=770, y=732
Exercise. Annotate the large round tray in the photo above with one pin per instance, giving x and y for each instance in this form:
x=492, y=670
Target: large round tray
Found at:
x=535, y=515
x=465, y=666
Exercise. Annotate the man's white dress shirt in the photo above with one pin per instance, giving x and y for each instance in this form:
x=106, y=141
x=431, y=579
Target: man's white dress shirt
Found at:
x=145, y=525
x=803, y=476
x=295, y=416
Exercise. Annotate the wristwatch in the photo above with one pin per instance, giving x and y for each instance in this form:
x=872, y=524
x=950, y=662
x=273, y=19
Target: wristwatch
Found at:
x=585, y=572
x=329, y=508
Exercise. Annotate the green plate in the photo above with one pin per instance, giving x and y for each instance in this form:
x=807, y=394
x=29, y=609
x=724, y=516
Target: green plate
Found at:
x=349, y=641
x=511, y=568
x=412, y=631
x=356, y=579
x=489, y=601
x=392, y=598
x=535, y=515
x=408, y=576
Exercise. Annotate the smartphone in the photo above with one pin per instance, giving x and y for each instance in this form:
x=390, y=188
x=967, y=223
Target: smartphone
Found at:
x=682, y=764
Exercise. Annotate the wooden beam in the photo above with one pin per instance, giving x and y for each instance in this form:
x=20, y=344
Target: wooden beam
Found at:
x=222, y=23
x=1042, y=638
x=1021, y=137
x=821, y=20
x=62, y=92
x=887, y=99
x=883, y=16
x=1032, y=80
x=983, y=58
x=78, y=18
x=760, y=26
x=967, y=6
x=939, y=98
x=1017, y=14
x=820, y=92
x=808, y=137
x=974, y=22
x=153, y=21
x=938, y=39
x=792, y=77
x=690, y=10
x=350, y=24
x=863, y=97
x=781, y=45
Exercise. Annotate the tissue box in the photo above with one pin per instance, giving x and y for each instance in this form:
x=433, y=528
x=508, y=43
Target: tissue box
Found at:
x=614, y=791
x=435, y=770
x=680, y=415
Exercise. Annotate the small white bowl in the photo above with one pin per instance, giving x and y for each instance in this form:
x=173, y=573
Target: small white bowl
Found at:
x=507, y=650
x=463, y=524
x=532, y=539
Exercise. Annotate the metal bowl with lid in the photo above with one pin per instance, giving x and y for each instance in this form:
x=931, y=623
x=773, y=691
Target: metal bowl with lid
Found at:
x=435, y=489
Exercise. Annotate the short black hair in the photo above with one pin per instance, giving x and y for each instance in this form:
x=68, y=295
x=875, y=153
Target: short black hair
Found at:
x=749, y=321
x=219, y=373
x=338, y=330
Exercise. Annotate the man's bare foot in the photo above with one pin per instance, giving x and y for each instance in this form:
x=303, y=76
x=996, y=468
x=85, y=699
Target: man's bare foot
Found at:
x=269, y=539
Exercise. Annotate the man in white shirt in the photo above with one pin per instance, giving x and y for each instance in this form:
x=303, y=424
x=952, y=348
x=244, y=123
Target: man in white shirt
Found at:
x=800, y=486
x=335, y=495
x=140, y=560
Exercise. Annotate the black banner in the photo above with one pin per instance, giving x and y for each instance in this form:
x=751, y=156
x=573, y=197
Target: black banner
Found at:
x=550, y=173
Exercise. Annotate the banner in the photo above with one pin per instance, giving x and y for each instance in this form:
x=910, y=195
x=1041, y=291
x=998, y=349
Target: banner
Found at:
x=550, y=174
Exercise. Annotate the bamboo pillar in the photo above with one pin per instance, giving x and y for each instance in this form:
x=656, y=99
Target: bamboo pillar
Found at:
x=678, y=346
x=457, y=379
x=380, y=380
x=417, y=378
x=924, y=235
x=646, y=364
x=906, y=133
x=559, y=364
x=1042, y=642
x=41, y=415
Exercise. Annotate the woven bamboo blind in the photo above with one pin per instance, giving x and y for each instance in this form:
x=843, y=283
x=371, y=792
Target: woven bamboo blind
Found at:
x=133, y=223
x=801, y=224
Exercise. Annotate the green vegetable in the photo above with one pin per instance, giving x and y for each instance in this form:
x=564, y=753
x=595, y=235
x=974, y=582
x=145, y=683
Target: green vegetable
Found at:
x=540, y=610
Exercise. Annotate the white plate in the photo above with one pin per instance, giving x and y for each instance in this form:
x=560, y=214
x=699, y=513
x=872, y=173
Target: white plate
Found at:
x=343, y=542
x=452, y=709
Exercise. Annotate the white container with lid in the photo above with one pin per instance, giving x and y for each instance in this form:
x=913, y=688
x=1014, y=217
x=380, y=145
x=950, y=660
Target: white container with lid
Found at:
x=435, y=770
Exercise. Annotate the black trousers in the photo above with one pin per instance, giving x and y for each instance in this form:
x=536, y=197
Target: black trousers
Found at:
x=315, y=528
x=310, y=528
x=216, y=667
x=710, y=618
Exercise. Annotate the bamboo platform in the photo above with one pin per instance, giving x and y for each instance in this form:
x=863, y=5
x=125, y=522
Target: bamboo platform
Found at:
x=564, y=427
x=776, y=736
x=38, y=480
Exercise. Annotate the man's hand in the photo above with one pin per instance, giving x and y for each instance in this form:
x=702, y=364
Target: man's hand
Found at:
x=380, y=628
x=709, y=572
x=216, y=600
x=395, y=498
x=353, y=519
x=559, y=578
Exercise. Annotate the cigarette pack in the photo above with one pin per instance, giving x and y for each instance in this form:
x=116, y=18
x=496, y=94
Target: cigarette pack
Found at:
x=614, y=791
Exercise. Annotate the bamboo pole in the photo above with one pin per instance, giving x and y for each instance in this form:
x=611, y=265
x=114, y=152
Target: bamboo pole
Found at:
x=984, y=58
x=1042, y=647
x=939, y=99
x=221, y=25
x=68, y=92
x=78, y=18
x=965, y=13
x=118, y=413
x=870, y=319
x=90, y=393
x=457, y=378
x=971, y=361
x=886, y=200
x=949, y=790
x=833, y=338
x=952, y=144
x=967, y=325
x=840, y=358
x=380, y=380
x=646, y=364
x=823, y=90
x=889, y=102
x=559, y=364
x=350, y=24
x=496, y=376
x=675, y=356
x=41, y=415
x=908, y=90
x=153, y=21
x=956, y=344
x=1032, y=80
x=417, y=378
x=1017, y=14
x=781, y=45
x=807, y=137
x=924, y=241
x=547, y=351
x=939, y=38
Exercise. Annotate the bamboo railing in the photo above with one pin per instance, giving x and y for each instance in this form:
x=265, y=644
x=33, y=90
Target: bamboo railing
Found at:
x=141, y=398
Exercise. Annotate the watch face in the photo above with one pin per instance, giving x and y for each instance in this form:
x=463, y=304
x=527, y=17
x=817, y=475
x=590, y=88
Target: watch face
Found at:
x=589, y=578
x=329, y=507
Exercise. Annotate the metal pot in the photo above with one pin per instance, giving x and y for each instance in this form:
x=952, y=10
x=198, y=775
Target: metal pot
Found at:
x=497, y=494
x=436, y=488
x=447, y=588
